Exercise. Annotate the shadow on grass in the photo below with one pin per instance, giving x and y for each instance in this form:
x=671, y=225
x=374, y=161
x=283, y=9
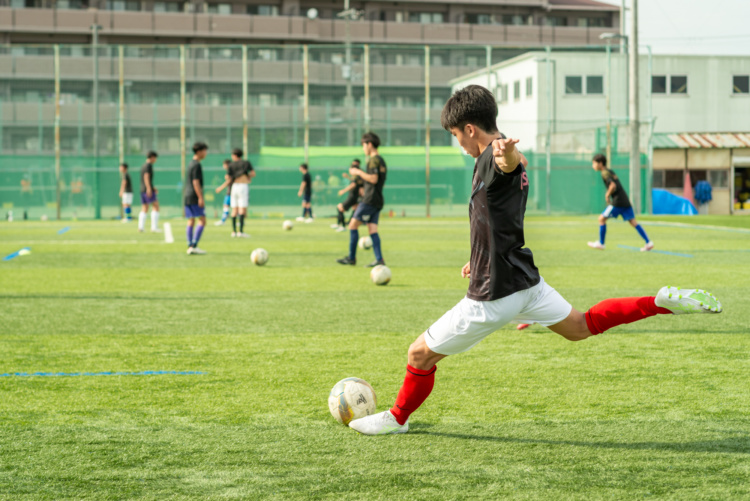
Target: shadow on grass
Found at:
x=737, y=445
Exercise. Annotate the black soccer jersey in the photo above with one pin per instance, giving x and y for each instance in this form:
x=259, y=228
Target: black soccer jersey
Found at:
x=618, y=198
x=195, y=171
x=239, y=168
x=500, y=265
x=147, y=169
x=374, y=192
x=308, y=183
x=128, y=184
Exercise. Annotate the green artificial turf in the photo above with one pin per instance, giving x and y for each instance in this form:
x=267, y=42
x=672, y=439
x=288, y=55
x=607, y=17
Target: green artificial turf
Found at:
x=656, y=409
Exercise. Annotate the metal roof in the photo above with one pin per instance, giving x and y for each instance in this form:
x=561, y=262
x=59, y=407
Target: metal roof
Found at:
x=705, y=140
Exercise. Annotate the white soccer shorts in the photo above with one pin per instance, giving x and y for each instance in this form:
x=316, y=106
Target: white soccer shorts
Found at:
x=127, y=199
x=239, y=196
x=470, y=321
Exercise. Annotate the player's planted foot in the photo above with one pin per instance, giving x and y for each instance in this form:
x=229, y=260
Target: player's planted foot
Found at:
x=334, y=226
x=376, y=263
x=346, y=260
x=300, y=219
x=681, y=301
x=242, y=235
x=218, y=223
x=382, y=423
x=340, y=229
x=198, y=250
x=234, y=234
x=156, y=230
x=596, y=245
x=647, y=247
x=189, y=250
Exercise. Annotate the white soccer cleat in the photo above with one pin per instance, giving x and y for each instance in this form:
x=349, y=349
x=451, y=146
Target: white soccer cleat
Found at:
x=300, y=219
x=596, y=245
x=234, y=234
x=382, y=423
x=340, y=229
x=156, y=230
x=189, y=250
x=309, y=220
x=682, y=301
x=219, y=223
x=647, y=247
x=242, y=235
x=198, y=250
x=334, y=226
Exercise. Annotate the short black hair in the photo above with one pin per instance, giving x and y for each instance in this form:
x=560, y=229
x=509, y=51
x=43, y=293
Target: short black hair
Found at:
x=124, y=165
x=152, y=154
x=199, y=146
x=227, y=161
x=303, y=165
x=471, y=105
x=600, y=159
x=371, y=137
x=237, y=152
x=356, y=161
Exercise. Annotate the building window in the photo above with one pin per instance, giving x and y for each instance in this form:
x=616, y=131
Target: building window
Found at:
x=481, y=19
x=120, y=5
x=556, y=21
x=678, y=84
x=167, y=7
x=573, y=85
x=26, y=4
x=517, y=19
x=219, y=8
x=529, y=86
x=517, y=90
x=69, y=4
x=658, y=84
x=263, y=10
x=426, y=17
x=594, y=84
x=501, y=92
x=741, y=84
x=592, y=22
x=718, y=178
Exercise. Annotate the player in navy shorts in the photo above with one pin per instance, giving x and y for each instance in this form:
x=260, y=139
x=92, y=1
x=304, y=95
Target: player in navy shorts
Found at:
x=618, y=204
x=195, y=204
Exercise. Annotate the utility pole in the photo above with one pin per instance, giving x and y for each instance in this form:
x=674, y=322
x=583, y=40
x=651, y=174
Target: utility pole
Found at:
x=635, y=154
x=95, y=54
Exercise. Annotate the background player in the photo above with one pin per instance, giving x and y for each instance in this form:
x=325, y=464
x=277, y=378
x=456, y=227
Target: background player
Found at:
x=618, y=205
x=305, y=191
x=126, y=193
x=368, y=212
x=195, y=205
x=505, y=285
x=227, y=199
x=239, y=176
x=355, y=193
x=148, y=194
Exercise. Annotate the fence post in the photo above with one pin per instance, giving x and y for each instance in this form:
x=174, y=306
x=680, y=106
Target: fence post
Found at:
x=367, y=88
x=183, y=147
x=244, y=99
x=57, y=128
x=95, y=54
x=121, y=116
x=306, y=92
x=427, y=126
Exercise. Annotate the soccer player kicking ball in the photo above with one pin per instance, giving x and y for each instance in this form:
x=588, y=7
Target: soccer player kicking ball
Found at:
x=504, y=284
x=368, y=212
x=618, y=205
x=195, y=205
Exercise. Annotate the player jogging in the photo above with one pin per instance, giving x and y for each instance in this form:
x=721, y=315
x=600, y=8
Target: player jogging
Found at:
x=305, y=191
x=618, y=205
x=126, y=193
x=148, y=194
x=505, y=285
x=227, y=199
x=195, y=204
x=368, y=212
x=240, y=174
x=355, y=193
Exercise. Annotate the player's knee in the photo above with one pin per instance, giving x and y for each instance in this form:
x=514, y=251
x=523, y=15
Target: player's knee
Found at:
x=602, y=220
x=418, y=354
x=340, y=208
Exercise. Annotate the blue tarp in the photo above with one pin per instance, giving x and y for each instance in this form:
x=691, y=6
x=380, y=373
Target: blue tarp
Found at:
x=664, y=202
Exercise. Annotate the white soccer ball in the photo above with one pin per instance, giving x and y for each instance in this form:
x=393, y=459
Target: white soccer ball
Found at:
x=287, y=225
x=351, y=398
x=259, y=257
x=380, y=275
x=365, y=243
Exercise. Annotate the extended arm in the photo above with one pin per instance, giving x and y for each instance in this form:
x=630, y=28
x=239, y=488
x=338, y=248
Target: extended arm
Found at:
x=227, y=180
x=507, y=157
x=348, y=188
x=370, y=178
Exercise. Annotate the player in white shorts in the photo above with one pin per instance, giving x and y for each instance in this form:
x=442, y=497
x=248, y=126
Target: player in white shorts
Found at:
x=239, y=174
x=505, y=285
x=126, y=193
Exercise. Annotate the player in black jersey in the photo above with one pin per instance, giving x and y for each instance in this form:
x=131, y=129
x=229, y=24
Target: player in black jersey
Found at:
x=618, y=204
x=355, y=194
x=505, y=285
x=239, y=175
x=195, y=204
x=148, y=194
x=126, y=193
x=305, y=191
x=368, y=212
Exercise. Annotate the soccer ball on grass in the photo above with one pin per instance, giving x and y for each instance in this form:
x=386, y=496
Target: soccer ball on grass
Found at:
x=351, y=398
x=380, y=275
x=287, y=225
x=259, y=257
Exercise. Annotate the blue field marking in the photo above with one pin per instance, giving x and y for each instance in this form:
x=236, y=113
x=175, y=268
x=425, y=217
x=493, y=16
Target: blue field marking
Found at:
x=656, y=251
x=15, y=254
x=72, y=374
x=64, y=230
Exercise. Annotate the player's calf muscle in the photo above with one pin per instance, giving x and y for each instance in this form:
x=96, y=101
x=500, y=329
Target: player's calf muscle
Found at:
x=573, y=328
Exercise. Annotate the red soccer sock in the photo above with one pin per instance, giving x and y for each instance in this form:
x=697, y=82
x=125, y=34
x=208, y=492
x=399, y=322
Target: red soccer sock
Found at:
x=415, y=390
x=622, y=310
